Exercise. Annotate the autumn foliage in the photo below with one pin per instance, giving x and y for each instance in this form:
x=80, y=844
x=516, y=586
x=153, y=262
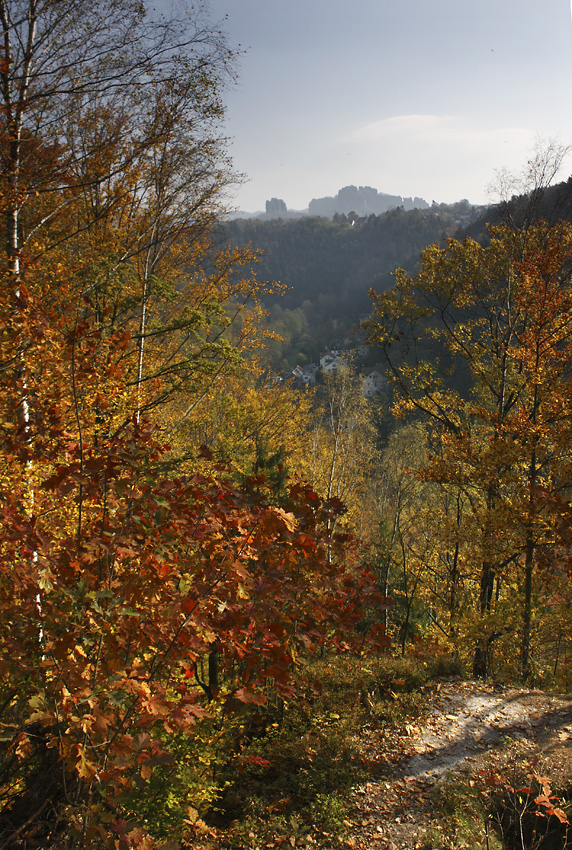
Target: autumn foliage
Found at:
x=149, y=592
x=479, y=346
x=119, y=575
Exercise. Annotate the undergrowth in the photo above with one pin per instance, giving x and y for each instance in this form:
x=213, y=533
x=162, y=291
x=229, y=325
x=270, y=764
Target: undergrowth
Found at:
x=461, y=816
x=289, y=783
x=506, y=804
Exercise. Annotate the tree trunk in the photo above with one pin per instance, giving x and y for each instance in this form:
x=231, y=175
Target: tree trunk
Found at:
x=482, y=650
x=529, y=552
x=213, y=672
x=527, y=608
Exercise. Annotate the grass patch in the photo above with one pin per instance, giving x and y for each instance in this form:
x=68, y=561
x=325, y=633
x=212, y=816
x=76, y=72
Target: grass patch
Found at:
x=461, y=816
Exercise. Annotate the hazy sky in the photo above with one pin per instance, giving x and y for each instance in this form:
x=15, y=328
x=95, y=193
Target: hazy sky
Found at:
x=412, y=97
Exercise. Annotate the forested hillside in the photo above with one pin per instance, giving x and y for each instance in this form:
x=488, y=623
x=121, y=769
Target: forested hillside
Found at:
x=327, y=268
x=527, y=204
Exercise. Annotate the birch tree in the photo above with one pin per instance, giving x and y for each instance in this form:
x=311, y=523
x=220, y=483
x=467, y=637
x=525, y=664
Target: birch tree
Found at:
x=343, y=444
x=88, y=89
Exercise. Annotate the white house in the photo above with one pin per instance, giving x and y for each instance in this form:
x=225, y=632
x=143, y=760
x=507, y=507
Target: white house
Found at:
x=373, y=382
x=329, y=361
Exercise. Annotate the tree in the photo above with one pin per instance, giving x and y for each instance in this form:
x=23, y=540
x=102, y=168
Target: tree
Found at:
x=113, y=165
x=521, y=194
x=247, y=420
x=342, y=440
x=125, y=560
x=119, y=577
x=501, y=313
x=91, y=89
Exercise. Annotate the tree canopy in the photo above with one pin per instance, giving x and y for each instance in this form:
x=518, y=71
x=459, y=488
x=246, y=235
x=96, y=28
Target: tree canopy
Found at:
x=499, y=447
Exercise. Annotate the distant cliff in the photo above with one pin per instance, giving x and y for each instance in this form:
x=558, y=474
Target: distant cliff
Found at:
x=363, y=200
x=275, y=206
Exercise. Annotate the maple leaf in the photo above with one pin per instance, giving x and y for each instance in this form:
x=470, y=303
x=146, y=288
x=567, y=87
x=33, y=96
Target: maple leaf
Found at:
x=248, y=696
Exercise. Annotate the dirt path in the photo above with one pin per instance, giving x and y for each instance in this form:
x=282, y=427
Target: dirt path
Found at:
x=466, y=720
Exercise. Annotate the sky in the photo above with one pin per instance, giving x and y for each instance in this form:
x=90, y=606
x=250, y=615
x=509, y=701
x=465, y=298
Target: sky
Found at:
x=412, y=97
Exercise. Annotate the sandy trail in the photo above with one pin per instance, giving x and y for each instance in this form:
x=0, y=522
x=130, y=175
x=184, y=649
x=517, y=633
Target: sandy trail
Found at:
x=466, y=719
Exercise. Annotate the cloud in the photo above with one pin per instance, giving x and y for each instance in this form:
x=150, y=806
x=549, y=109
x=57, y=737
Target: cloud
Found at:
x=397, y=125
x=434, y=156
x=440, y=129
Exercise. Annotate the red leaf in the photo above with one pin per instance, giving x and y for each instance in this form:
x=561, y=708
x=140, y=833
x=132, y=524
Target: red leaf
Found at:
x=247, y=696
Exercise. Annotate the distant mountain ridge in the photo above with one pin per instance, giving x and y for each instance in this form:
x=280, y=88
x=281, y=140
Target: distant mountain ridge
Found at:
x=363, y=200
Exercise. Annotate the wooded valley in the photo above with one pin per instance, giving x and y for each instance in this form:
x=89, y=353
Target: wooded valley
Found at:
x=199, y=561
